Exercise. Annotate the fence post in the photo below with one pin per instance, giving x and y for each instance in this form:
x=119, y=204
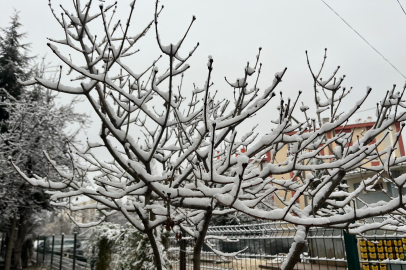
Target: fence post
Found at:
x=44, y=250
x=37, y=249
x=2, y=243
x=60, y=261
x=182, y=252
x=52, y=251
x=351, y=249
x=74, y=251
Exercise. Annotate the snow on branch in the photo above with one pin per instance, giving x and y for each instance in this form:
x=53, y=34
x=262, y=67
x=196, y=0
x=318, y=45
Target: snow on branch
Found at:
x=177, y=161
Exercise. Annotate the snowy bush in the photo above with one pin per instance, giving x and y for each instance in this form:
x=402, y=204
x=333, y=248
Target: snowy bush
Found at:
x=111, y=246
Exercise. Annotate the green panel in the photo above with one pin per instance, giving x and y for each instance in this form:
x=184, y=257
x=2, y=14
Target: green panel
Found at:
x=351, y=250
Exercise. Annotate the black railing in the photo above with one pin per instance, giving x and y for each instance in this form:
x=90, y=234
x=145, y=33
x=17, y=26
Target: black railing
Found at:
x=61, y=252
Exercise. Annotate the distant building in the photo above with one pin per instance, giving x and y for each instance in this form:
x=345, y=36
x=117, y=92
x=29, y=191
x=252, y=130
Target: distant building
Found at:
x=86, y=215
x=354, y=178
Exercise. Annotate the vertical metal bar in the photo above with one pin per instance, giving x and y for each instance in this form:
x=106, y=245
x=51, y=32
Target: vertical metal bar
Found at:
x=332, y=240
x=37, y=249
x=266, y=261
x=52, y=251
x=351, y=250
x=60, y=261
x=182, y=252
x=43, y=255
x=245, y=256
x=2, y=242
x=257, y=253
x=310, y=249
x=74, y=251
x=325, y=248
x=316, y=241
x=343, y=247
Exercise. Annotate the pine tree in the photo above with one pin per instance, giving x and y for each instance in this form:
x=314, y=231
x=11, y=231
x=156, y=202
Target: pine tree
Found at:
x=14, y=60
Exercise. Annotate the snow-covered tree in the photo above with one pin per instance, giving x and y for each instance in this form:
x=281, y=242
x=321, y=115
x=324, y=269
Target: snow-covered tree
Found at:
x=36, y=123
x=175, y=159
x=14, y=60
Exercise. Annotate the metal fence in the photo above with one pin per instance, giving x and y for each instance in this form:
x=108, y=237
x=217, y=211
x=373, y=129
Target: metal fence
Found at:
x=61, y=252
x=266, y=246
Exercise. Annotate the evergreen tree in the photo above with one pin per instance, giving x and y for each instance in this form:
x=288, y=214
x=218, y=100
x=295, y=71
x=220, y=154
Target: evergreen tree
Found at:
x=14, y=60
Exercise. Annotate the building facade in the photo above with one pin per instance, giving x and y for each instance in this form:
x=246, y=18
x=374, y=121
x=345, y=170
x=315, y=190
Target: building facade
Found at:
x=383, y=190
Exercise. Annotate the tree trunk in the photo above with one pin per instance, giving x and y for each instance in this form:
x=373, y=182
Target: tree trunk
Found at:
x=302, y=231
x=10, y=243
x=26, y=254
x=22, y=232
x=299, y=243
x=197, y=250
x=155, y=249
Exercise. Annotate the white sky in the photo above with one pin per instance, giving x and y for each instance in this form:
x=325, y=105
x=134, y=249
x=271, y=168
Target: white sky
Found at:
x=232, y=31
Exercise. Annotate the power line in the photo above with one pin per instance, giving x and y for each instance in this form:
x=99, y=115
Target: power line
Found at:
x=365, y=39
x=365, y=110
x=401, y=7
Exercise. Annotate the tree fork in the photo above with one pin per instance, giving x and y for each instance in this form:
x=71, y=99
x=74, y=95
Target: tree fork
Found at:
x=302, y=232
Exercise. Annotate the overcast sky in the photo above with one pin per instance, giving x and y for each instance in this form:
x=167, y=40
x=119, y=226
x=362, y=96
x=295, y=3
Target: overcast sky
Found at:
x=232, y=31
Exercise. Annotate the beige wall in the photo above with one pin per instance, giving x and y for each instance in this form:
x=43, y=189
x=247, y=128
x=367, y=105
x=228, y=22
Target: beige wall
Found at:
x=359, y=130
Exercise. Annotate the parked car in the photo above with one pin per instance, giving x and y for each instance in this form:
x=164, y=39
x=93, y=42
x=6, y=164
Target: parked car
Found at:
x=68, y=243
x=80, y=251
x=38, y=244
